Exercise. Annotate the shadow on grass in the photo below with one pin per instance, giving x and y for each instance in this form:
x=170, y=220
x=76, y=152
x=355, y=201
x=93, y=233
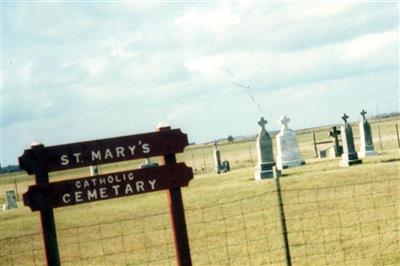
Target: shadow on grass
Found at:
x=390, y=160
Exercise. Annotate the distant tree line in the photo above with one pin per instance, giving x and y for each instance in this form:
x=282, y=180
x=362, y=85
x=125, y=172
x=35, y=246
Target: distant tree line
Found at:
x=386, y=115
x=9, y=169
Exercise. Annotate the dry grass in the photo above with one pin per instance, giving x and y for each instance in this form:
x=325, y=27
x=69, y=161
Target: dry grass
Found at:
x=335, y=216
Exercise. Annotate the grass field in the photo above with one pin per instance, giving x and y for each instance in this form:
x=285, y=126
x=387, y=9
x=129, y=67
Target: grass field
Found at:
x=335, y=216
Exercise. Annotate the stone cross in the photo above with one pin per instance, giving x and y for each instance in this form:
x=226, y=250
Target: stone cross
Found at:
x=284, y=120
x=262, y=123
x=334, y=133
x=344, y=117
x=363, y=113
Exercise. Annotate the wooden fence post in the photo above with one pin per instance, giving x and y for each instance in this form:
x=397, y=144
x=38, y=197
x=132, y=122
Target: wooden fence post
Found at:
x=47, y=221
x=314, y=145
x=178, y=220
x=16, y=189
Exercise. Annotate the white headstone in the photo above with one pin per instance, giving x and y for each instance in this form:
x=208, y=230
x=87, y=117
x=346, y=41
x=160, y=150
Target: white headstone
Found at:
x=11, y=199
x=288, y=153
x=94, y=170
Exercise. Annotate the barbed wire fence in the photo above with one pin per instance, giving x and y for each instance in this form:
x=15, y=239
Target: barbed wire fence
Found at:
x=353, y=223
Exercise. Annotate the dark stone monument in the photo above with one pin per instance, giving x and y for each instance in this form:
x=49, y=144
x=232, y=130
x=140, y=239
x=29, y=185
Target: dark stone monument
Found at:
x=334, y=133
x=220, y=167
x=366, y=144
x=148, y=164
x=217, y=158
x=265, y=164
x=349, y=156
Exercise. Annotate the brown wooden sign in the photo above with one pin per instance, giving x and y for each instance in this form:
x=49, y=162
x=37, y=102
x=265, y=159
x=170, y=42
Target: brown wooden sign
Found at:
x=107, y=186
x=46, y=159
x=45, y=196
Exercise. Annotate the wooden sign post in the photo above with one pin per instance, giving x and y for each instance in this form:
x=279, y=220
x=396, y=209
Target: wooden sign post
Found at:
x=45, y=196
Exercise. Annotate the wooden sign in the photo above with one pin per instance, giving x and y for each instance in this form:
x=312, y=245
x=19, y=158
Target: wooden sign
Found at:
x=107, y=186
x=95, y=152
x=44, y=196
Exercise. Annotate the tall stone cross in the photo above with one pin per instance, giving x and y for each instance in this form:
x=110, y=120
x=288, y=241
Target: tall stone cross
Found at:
x=284, y=120
x=334, y=133
x=349, y=156
x=363, y=113
x=262, y=123
x=344, y=117
x=265, y=155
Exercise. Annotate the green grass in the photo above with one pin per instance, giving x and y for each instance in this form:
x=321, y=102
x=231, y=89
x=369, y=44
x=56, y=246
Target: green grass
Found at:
x=335, y=216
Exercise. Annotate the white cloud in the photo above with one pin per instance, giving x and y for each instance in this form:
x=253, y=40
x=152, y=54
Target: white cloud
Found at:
x=214, y=20
x=209, y=67
x=370, y=45
x=26, y=71
x=94, y=66
x=121, y=46
x=317, y=10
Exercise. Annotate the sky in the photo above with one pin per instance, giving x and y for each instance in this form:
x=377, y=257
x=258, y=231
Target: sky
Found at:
x=76, y=71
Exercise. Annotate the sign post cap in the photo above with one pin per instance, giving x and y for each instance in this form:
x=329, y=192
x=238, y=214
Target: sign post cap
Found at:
x=36, y=143
x=162, y=125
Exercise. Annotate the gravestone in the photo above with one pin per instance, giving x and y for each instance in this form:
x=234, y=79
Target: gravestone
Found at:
x=322, y=154
x=148, y=164
x=94, y=170
x=366, y=144
x=217, y=158
x=334, y=133
x=349, y=156
x=11, y=199
x=287, y=147
x=220, y=167
x=265, y=156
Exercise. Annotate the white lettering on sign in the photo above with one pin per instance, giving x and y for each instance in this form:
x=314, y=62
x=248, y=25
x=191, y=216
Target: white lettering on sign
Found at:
x=64, y=160
x=92, y=194
x=132, y=149
x=116, y=191
x=77, y=156
x=120, y=151
x=108, y=154
x=96, y=156
x=66, y=198
x=112, y=185
x=78, y=196
x=152, y=183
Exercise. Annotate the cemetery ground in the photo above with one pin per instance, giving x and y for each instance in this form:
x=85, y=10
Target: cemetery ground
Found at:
x=335, y=215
